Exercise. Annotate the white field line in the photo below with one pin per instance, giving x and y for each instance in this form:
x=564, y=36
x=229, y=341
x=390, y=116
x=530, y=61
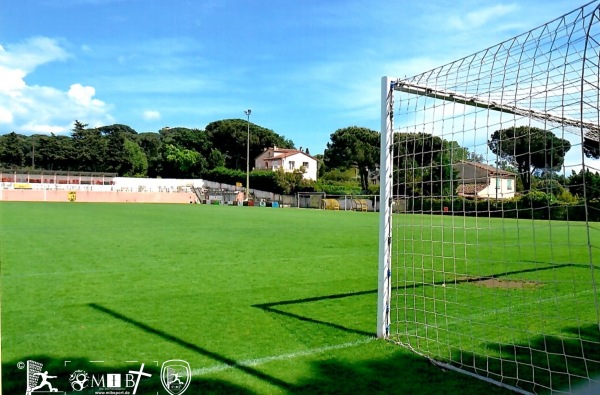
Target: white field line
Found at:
x=293, y=355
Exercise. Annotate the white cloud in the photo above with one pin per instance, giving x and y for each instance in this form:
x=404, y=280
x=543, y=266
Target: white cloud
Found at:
x=151, y=115
x=481, y=16
x=5, y=116
x=31, y=53
x=28, y=108
x=83, y=95
x=11, y=81
x=45, y=129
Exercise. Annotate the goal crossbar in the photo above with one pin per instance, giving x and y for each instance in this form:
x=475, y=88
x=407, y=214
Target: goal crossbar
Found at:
x=593, y=130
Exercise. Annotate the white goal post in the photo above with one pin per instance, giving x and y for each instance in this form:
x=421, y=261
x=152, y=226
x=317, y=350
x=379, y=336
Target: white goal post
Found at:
x=385, y=210
x=489, y=236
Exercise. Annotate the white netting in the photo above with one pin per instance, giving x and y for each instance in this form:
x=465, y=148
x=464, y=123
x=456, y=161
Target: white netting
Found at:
x=495, y=209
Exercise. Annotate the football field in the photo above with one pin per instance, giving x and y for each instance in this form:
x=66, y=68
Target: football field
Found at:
x=256, y=300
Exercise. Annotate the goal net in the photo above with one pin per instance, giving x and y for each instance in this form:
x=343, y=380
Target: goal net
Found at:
x=490, y=215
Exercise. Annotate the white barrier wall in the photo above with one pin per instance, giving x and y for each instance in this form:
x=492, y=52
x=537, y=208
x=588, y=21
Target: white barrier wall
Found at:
x=29, y=182
x=156, y=184
x=120, y=184
x=120, y=189
x=37, y=195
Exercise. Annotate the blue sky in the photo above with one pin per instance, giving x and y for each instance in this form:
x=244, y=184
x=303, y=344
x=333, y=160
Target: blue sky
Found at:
x=305, y=68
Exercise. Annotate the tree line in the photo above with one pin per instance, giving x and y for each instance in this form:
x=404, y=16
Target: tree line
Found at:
x=350, y=163
x=170, y=153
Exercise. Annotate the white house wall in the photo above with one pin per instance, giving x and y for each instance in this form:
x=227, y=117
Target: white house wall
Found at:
x=503, y=191
x=284, y=162
x=298, y=159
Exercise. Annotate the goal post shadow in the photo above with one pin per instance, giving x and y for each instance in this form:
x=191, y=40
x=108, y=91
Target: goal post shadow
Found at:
x=275, y=307
x=272, y=307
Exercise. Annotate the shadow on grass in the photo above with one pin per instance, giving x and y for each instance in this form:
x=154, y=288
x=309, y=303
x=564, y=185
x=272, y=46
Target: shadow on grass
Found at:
x=542, y=365
x=274, y=307
x=190, y=346
x=562, y=363
x=398, y=373
x=401, y=373
x=559, y=265
x=14, y=379
x=545, y=362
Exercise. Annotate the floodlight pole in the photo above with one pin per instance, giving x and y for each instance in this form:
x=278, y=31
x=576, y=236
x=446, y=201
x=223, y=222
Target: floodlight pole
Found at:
x=248, y=112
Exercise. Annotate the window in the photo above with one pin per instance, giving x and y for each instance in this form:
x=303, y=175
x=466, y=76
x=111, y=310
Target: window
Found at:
x=292, y=165
x=498, y=183
x=509, y=185
x=305, y=164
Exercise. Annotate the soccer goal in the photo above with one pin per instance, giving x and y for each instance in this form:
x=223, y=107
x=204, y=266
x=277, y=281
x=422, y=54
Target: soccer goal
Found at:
x=489, y=241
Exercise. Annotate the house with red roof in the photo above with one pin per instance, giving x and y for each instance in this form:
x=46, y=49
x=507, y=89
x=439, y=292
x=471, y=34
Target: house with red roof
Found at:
x=477, y=180
x=289, y=160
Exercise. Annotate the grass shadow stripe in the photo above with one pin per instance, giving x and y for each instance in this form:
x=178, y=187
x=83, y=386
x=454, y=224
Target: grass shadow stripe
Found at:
x=193, y=347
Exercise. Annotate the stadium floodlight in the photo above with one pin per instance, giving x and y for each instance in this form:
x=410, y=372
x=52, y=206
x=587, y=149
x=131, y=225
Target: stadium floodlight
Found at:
x=489, y=238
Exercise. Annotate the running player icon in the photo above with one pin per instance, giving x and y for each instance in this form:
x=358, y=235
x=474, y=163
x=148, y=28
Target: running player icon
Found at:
x=44, y=382
x=175, y=379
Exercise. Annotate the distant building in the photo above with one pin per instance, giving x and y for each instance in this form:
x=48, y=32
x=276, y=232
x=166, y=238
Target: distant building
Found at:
x=50, y=177
x=289, y=160
x=476, y=180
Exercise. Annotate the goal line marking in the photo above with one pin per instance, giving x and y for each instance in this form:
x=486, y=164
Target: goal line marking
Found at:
x=293, y=355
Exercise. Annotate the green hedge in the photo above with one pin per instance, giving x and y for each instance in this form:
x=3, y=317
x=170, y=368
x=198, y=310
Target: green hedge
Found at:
x=263, y=180
x=531, y=206
x=338, y=187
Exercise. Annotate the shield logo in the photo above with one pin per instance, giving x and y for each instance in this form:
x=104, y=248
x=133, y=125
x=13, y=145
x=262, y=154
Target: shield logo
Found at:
x=175, y=376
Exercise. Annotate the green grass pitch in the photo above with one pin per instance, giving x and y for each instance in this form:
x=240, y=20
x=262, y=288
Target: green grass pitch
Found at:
x=474, y=290
x=257, y=300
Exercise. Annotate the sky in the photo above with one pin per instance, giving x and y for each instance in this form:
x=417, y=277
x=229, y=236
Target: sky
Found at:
x=304, y=67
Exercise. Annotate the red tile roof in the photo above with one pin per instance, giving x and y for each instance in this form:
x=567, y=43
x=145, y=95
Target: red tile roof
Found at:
x=488, y=168
x=281, y=153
